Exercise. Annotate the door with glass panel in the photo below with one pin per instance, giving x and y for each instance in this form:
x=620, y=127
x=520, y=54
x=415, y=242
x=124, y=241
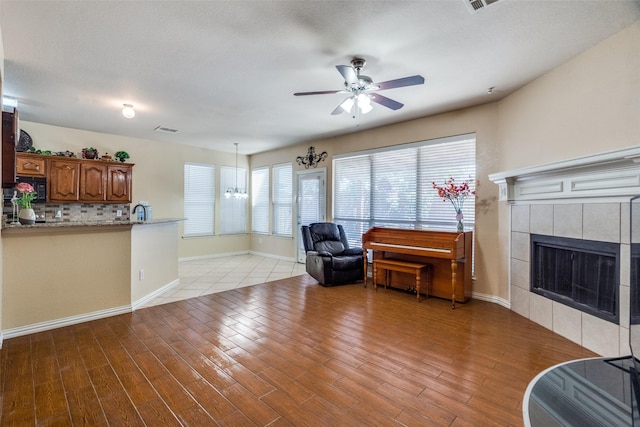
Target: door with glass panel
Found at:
x=311, y=202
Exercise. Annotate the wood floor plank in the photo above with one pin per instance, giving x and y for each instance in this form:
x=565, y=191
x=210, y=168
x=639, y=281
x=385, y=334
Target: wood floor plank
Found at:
x=284, y=353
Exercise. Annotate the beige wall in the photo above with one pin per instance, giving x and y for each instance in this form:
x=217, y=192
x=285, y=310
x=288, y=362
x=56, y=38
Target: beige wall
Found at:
x=589, y=105
x=155, y=252
x=59, y=274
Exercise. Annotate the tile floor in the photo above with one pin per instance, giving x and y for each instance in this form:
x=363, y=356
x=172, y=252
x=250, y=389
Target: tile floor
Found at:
x=208, y=276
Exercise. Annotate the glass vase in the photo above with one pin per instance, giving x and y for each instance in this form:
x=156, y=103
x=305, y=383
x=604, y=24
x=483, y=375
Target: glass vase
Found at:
x=459, y=217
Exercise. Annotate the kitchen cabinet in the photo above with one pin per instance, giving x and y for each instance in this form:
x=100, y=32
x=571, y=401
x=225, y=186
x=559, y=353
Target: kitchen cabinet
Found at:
x=10, y=137
x=93, y=182
x=30, y=165
x=101, y=182
x=64, y=180
x=119, y=183
x=70, y=179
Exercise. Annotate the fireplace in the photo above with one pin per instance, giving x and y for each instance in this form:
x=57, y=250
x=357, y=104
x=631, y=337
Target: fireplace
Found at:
x=583, y=274
x=585, y=198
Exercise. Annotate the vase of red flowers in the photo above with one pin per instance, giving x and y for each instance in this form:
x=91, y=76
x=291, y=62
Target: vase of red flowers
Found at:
x=456, y=194
x=27, y=215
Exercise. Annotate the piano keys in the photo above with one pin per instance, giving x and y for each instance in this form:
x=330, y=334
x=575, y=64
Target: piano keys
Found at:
x=449, y=253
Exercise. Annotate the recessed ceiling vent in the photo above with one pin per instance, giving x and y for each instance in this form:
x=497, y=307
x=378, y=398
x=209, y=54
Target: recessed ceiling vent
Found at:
x=476, y=5
x=166, y=130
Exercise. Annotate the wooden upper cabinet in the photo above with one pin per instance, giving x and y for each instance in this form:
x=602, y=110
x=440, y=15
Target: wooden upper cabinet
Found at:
x=119, y=183
x=64, y=180
x=10, y=137
x=79, y=180
x=30, y=165
x=93, y=182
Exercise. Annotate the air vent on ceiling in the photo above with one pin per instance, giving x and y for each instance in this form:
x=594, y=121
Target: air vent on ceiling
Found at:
x=476, y=5
x=164, y=129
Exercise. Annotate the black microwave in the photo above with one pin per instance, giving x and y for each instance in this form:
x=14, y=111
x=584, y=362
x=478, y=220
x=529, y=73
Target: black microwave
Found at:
x=38, y=184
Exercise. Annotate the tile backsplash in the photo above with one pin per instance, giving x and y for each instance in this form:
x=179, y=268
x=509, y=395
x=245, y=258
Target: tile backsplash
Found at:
x=76, y=212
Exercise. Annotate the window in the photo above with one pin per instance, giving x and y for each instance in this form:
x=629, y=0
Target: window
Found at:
x=199, y=199
x=233, y=210
x=260, y=200
x=393, y=186
x=282, y=199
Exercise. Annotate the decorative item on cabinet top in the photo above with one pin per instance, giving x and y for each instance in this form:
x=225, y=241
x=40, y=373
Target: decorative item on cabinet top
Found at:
x=121, y=155
x=90, y=153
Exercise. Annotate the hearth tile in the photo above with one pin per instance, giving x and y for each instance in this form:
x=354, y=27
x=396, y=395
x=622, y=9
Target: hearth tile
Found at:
x=601, y=222
x=520, y=218
x=567, y=220
x=600, y=336
x=520, y=301
x=567, y=322
x=520, y=246
x=541, y=221
x=541, y=310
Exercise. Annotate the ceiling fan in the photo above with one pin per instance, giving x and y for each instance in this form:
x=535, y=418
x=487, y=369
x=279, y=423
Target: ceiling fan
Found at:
x=361, y=89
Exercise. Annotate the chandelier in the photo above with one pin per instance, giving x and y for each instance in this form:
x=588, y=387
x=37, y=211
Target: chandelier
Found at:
x=311, y=159
x=238, y=193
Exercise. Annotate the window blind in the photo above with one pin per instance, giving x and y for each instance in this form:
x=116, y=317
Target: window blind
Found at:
x=199, y=199
x=282, y=199
x=233, y=211
x=393, y=186
x=260, y=200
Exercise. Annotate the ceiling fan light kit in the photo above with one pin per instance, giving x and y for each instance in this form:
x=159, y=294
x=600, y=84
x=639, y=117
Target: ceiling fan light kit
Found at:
x=361, y=90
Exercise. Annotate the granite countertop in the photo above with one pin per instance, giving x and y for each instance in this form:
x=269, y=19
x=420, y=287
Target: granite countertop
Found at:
x=83, y=224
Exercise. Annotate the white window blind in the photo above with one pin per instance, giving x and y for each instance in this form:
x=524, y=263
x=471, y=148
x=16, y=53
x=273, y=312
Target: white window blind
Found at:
x=282, y=199
x=233, y=210
x=199, y=199
x=260, y=200
x=393, y=187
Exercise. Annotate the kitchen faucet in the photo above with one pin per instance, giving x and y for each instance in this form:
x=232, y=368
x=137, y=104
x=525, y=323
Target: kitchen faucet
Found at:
x=144, y=211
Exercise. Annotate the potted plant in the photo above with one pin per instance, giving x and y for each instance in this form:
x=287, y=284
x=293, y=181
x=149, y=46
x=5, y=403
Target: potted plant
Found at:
x=121, y=155
x=89, y=153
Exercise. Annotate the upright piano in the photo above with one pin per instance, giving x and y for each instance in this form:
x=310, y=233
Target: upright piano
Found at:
x=449, y=253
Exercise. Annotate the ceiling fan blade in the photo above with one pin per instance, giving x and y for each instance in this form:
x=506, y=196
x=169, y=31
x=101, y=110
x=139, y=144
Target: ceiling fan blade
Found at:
x=321, y=92
x=344, y=107
x=387, y=102
x=405, y=81
x=338, y=110
x=348, y=73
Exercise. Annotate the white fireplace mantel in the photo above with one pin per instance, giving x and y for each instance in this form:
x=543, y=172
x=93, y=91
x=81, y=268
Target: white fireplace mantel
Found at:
x=607, y=176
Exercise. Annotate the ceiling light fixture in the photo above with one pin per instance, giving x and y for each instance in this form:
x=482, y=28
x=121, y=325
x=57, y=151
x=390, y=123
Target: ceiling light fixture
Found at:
x=361, y=101
x=236, y=192
x=128, y=111
x=312, y=159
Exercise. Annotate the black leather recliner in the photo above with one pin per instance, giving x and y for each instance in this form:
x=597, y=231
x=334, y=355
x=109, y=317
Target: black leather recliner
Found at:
x=330, y=260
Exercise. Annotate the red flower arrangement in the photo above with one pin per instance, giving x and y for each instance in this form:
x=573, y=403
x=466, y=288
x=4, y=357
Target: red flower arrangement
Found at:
x=27, y=194
x=456, y=194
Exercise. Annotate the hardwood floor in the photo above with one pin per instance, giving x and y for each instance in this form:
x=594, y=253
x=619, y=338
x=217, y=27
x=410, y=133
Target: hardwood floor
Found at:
x=283, y=353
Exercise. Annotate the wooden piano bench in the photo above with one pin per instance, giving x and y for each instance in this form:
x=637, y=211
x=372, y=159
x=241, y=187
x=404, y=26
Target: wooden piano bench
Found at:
x=422, y=272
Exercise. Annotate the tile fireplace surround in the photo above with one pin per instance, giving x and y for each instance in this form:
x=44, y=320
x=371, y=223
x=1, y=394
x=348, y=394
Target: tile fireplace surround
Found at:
x=585, y=198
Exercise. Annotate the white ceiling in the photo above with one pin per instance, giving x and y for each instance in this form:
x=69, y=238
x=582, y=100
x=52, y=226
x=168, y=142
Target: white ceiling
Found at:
x=223, y=72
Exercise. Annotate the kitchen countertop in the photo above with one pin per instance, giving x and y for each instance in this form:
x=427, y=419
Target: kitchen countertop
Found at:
x=84, y=224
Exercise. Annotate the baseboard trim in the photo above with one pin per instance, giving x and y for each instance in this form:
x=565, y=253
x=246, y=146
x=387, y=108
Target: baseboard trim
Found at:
x=65, y=321
x=137, y=304
x=492, y=298
x=283, y=258
x=194, y=258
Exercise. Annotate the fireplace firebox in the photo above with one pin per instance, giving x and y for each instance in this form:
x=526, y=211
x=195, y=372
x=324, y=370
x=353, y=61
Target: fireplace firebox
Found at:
x=583, y=274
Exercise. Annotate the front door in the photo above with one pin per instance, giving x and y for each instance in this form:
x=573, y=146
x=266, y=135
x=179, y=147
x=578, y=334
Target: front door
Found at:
x=311, y=202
